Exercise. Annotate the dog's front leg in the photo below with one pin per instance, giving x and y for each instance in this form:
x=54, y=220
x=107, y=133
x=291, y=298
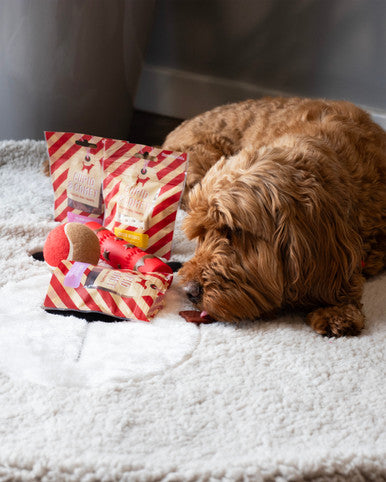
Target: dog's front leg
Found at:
x=340, y=320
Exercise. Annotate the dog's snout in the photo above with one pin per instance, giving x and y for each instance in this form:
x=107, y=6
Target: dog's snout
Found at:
x=193, y=291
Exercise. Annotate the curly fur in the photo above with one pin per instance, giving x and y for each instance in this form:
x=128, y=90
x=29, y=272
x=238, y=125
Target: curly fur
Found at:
x=287, y=201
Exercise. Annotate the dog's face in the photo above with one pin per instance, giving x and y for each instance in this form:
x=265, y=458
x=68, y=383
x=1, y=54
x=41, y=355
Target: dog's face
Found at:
x=237, y=272
x=233, y=275
x=263, y=238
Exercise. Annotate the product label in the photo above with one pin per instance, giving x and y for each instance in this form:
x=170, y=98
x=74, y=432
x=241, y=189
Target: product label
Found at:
x=138, y=239
x=84, y=183
x=136, y=202
x=122, y=283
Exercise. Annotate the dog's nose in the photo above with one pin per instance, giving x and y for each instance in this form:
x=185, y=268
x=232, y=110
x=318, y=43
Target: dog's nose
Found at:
x=193, y=291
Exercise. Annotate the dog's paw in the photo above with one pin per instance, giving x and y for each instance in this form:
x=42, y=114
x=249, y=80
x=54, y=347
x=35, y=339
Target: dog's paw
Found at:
x=341, y=320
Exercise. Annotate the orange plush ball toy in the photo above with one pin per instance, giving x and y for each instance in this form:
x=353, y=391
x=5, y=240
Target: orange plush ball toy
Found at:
x=72, y=241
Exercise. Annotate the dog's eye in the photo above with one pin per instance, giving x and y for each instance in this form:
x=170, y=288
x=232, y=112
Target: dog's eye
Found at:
x=232, y=234
x=227, y=233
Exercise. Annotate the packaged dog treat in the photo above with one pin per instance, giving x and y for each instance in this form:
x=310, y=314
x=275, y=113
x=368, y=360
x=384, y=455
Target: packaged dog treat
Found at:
x=76, y=174
x=142, y=188
x=122, y=294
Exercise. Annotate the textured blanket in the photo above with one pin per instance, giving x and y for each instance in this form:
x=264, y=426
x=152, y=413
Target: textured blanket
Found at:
x=169, y=400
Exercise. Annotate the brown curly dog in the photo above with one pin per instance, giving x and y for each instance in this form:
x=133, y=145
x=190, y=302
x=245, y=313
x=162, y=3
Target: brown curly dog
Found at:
x=287, y=201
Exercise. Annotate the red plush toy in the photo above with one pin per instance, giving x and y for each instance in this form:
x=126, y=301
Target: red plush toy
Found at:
x=122, y=255
x=71, y=241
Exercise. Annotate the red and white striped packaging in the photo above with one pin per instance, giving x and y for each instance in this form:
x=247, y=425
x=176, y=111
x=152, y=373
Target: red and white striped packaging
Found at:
x=142, y=188
x=123, y=294
x=76, y=174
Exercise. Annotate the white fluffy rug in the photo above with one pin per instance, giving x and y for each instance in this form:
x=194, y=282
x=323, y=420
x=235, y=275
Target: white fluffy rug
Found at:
x=168, y=400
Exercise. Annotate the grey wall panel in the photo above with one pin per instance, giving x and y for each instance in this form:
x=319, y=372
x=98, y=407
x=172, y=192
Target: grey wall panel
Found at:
x=224, y=50
x=70, y=65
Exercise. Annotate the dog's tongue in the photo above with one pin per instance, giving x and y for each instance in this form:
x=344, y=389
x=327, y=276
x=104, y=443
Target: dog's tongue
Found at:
x=205, y=317
x=194, y=316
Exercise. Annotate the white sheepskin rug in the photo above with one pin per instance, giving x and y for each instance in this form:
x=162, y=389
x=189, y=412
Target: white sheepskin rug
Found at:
x=169, y=400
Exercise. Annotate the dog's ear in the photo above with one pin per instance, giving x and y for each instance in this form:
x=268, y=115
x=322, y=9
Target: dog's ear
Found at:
x=205, y=209
x=204, y=215
x=319, y=249
x=236, y=194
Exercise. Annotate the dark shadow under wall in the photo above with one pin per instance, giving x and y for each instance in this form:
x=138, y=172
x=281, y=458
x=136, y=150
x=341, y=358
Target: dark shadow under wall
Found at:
x=151, y=129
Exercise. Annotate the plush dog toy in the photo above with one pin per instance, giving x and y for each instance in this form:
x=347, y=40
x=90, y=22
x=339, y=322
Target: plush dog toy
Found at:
x=73, y=242
x=122, y=255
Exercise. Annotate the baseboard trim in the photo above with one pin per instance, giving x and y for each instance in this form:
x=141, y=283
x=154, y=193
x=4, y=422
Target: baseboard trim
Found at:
x=378, y=116
x=183, y=94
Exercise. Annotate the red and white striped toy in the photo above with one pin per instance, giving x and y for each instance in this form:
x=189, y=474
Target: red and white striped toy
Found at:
x=120, y=293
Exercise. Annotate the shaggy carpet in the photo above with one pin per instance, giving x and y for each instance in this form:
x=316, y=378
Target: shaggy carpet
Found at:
x=168, y=400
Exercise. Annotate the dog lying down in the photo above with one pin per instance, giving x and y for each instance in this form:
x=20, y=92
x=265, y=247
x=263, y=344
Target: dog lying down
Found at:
x=287, y=201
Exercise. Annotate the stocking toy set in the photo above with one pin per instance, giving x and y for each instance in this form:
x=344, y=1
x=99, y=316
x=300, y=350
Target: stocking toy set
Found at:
x=117, y=203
